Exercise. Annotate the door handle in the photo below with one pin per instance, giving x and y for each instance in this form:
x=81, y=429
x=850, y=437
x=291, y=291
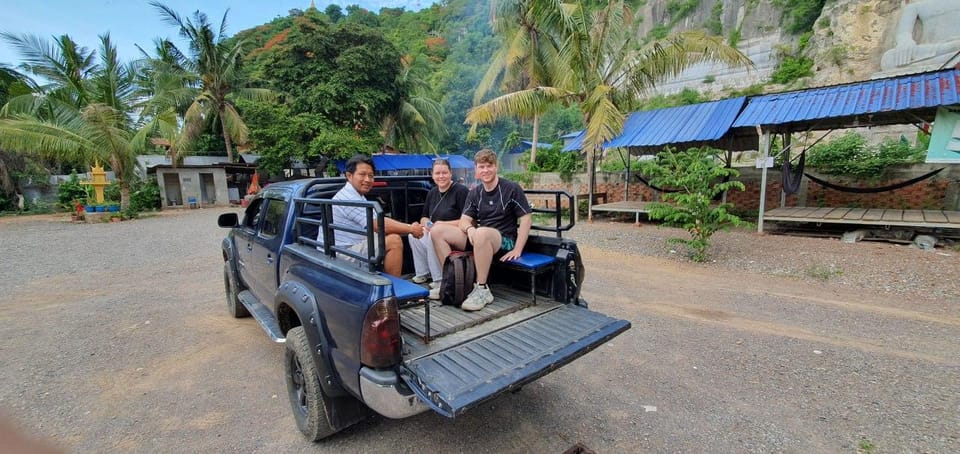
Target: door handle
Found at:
x=269, y=258
x=249, y=247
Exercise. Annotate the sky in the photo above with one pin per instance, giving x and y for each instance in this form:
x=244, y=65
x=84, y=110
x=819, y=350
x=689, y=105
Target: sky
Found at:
x=135, y=22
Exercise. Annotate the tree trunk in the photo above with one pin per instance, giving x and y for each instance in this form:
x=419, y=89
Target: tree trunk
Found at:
x=536, y=139
x=226, y=138
x=124, y=195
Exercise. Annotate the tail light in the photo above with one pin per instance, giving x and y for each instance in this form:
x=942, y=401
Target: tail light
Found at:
x=380, y=338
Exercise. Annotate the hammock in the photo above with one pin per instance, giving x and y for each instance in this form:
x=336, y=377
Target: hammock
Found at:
x=891, y=187
x=791, y=180
x=642, y=180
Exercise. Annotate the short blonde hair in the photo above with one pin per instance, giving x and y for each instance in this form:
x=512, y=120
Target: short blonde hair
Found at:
x=485, y=156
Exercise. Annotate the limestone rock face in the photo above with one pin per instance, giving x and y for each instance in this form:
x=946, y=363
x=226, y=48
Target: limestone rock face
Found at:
x=852, y=40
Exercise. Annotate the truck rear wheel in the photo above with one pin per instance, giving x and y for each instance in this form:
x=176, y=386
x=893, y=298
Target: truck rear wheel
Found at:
x=232, y=288
x=303, y=387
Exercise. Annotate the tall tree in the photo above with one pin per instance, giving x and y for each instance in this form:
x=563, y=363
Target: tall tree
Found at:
x=417, y=121
x=602, y=67
x=528, y=29
x=216, y=62
x=55, y=123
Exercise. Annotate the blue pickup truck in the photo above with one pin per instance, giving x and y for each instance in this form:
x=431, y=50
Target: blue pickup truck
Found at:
x=359, y=341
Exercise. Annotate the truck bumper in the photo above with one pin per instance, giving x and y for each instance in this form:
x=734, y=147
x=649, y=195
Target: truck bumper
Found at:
x=386, y=394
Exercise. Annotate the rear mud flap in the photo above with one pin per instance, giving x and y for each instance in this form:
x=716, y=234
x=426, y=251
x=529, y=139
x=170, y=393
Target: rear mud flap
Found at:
x=459, y=378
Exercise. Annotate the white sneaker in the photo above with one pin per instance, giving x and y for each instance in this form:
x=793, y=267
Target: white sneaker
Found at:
x=421, y=279
x=435, y=293
x=477, y=299
x=435, y=284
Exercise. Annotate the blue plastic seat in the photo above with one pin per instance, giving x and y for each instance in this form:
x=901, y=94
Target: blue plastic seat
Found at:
x=405, y=290
x=532, y=263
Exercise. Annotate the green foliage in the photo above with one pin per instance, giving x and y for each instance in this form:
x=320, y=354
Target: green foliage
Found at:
x=823, y=272
x=734, y=37
x=680, y=9
x=554, y=159
x=615, y=162
x=697, y=176
x=715, y=22
x=144, y=196
x=793, y=63
x=838, y=54
x=658, y=32
x=71, y=190
x=799, y=15
x=111, y=193
x=850, y=154
x=686, y=97
x=792, y=68
x=524, y=178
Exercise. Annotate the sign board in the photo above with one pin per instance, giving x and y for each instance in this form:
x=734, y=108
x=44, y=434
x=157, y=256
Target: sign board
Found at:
x=769, y=162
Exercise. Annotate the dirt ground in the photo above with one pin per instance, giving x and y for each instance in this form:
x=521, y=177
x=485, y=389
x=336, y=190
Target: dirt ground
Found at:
x=116, y=338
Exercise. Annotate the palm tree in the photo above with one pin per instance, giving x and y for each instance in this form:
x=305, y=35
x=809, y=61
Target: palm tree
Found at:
x=417, y=121
x=602, y=67
x=528, y=28
x=216, y=64
x=82, y=116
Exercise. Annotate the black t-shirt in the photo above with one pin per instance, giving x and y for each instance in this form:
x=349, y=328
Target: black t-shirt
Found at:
x=447, y=206
x=500, y=208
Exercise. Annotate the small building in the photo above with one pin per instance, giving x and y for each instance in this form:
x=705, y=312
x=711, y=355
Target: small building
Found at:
x=202, y=181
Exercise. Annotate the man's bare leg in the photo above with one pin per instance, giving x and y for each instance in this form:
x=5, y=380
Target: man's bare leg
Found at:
x=486, y=243
x=393, y=256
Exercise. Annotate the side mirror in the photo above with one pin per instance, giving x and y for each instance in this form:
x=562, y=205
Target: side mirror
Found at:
x=228, y=220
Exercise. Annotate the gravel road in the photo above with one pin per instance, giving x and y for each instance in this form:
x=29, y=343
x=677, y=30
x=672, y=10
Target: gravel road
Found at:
x=116, y=338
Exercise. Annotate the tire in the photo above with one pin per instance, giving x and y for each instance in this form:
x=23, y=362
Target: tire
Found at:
x=303, y=387
x=232, y=288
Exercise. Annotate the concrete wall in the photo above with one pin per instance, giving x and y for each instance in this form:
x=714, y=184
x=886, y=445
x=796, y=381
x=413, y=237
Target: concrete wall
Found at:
x=941, y=192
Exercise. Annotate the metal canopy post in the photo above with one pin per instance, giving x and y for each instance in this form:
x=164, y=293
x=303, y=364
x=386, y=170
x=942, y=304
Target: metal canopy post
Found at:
x=764, y=153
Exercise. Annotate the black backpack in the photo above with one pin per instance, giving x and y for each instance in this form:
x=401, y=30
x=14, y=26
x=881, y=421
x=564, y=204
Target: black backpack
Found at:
x=459, y=274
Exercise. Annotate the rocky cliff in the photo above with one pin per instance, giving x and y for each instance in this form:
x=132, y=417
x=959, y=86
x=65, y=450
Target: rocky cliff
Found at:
x=851, y=40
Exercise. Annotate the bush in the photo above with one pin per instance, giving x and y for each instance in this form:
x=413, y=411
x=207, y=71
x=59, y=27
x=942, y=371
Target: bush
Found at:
x=792, y=68
x=71, y=190
x=554, y=159
x=144, y=195
x=698, y=176
x=850, y=154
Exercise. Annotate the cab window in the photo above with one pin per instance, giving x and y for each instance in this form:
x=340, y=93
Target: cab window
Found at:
x=251, y=216
x=273, y=218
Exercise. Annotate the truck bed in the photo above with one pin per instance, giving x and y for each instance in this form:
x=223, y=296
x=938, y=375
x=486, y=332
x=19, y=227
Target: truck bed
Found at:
x=451, y=325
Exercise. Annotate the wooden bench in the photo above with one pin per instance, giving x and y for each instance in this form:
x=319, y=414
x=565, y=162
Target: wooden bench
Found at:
x=597, y=197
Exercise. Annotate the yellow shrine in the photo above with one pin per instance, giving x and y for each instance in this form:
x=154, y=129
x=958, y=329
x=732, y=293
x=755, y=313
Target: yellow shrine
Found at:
x=99, y=181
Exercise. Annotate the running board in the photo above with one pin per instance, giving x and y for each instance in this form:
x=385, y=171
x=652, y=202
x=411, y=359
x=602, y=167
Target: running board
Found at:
x=263, y=315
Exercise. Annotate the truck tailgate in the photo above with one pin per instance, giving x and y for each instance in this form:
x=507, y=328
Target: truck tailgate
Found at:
x=454, y=380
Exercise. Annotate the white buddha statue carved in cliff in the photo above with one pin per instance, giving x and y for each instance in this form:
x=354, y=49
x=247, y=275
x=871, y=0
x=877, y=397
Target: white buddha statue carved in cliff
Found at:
x=926, y=37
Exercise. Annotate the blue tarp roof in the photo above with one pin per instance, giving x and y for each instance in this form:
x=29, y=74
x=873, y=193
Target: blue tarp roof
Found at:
x=576, y=143
x=881, y=101
x=391, y=162
x=527, y=144
x=694, y=123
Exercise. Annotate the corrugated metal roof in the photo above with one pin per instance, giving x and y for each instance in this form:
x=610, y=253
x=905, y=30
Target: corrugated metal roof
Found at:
x=918, y=91
x=694, y=123
x=576, y=143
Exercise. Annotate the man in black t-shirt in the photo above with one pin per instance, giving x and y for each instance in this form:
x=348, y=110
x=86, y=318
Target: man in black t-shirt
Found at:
x=489, y=222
